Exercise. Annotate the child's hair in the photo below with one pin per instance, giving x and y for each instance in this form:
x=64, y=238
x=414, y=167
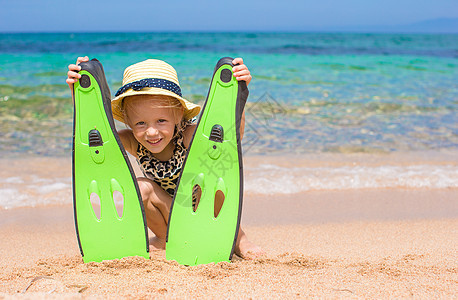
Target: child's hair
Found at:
x=156, y=101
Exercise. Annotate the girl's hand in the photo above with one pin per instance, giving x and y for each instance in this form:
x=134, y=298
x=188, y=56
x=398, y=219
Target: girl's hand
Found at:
x=73, y=70
x=241, y=71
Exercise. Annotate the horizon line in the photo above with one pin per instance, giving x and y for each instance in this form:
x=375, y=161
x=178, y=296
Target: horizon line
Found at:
x=329, y=31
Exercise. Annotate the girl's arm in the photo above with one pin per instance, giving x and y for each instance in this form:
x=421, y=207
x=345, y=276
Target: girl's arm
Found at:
x=242, y=125
x=241, y=72
x=128, y=141
x=187, y=135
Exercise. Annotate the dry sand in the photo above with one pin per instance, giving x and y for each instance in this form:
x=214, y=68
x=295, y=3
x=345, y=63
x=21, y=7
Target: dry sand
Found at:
x=360, y=244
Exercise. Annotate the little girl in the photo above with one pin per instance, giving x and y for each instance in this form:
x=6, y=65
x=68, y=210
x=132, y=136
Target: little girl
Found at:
x=161, y=125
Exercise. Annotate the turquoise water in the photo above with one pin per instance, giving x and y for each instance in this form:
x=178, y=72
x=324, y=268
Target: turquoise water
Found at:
x=310, y=92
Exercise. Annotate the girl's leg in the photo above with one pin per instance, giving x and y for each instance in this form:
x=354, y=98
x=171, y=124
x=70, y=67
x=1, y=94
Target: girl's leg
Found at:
x=157, y=203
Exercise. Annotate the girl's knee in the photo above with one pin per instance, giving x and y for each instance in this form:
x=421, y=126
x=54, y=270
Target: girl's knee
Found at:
x=146, y=186
x=152, y=193
x=146, y=189
x=155, y=201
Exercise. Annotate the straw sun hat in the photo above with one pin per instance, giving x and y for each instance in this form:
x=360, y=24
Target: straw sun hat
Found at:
x=151, y=77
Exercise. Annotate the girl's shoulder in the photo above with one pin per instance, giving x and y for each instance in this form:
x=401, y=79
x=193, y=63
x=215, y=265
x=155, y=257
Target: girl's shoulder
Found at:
x=188, y=133
x=128, y=141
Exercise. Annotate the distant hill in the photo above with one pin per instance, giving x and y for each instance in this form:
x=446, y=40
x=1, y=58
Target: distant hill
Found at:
x=433, y=26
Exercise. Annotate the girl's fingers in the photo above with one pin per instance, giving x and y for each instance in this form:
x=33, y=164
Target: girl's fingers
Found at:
x=74, y=75
x=81, y=59
x=237, y=61
x=246, y=78
x=239, y=68
x=243, y=75
x=73, y=67
x=241, y=72
x=71, y=81
x=73, y=70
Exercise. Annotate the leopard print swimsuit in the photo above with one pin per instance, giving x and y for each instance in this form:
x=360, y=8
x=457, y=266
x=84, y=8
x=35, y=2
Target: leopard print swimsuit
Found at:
x=164, y=173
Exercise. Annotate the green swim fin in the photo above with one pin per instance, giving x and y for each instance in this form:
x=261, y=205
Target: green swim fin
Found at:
x=207, y=233
x=102, y=175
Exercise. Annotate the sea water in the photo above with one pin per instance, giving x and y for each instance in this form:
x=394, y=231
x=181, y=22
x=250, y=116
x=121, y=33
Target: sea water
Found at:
x=311, y=93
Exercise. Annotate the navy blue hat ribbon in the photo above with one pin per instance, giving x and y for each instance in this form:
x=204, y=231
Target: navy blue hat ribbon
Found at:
x=151, y=82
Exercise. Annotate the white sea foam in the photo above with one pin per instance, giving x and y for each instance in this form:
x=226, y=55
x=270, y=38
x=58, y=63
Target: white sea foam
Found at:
x=19, y=192
x=262, y=179
x=52, y=187
x=12, y=180
x=10, y=198
x=273, y=179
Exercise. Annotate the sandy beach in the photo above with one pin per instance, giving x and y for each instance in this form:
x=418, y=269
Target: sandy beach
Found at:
x=357, y=243
x=364, y=255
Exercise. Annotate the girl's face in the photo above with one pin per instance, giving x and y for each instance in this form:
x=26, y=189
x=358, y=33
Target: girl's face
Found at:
x=152, y=121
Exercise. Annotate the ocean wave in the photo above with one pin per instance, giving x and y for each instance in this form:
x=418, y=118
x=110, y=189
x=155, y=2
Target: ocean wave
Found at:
x=264, y=179
x=273, y=179
x=34, y=191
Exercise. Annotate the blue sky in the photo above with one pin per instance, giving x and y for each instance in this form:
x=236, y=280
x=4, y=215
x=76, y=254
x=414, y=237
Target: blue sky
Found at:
x=207, y=15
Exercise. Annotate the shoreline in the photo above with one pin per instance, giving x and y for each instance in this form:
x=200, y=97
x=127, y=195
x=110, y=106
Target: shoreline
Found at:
x=41, y=181
x=315, y=207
